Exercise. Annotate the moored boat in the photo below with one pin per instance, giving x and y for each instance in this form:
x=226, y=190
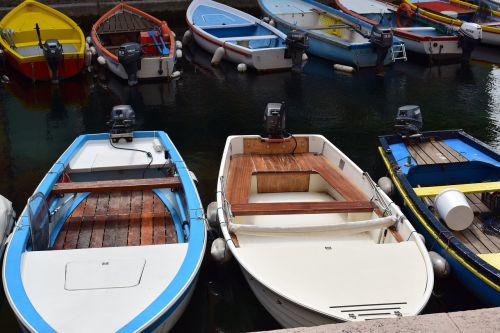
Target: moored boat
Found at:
x=420, y=34
x=111, y=240
x=335, y=35
x=455, y=13
x=7, y=216
x=317, y=241
x=134, y=44
x=233, y=35
x=41, y=42
x=449, y=182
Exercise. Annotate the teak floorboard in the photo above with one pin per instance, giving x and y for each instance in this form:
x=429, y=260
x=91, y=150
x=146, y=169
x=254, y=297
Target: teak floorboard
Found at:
x=474, y=237
x=117, y=219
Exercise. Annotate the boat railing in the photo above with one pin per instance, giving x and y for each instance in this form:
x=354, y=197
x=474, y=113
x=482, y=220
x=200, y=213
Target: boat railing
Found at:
x=226, y=205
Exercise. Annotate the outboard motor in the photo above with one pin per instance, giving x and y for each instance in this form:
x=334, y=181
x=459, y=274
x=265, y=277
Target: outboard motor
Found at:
x=469, y=35
x=122, y=123
x=129, y=55
x=53, y=52
x=296, y=44
x=381, y=38
x=274, y=120
x=408, y=120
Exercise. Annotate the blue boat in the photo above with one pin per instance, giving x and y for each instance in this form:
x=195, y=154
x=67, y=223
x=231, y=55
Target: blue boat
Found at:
x=111, y=240
x=335, y=35
x=449, y=183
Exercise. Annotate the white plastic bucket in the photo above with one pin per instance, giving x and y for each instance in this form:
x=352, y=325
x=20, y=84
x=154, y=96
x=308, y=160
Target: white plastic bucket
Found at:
x=454, y=209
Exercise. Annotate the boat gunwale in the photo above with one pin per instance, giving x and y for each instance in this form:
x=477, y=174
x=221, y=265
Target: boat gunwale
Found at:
x=438, y=230
x=30, y=318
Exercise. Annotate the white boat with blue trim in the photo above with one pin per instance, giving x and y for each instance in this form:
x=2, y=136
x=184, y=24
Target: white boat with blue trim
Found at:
x=316, y=239
x=335, y=35
x=111, y=241
x=236, y=36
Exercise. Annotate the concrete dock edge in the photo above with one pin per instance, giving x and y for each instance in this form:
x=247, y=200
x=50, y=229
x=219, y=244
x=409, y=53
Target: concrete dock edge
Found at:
x=480, y=321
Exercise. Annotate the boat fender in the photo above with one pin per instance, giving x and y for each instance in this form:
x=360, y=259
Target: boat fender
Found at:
x=193, y=177
x=178, y=53
x=266, y=19
x=272, y=23
x=242, y=68
x=175, y=74
x=218, y=54
x=187, y=38
x=386, y=185
x=101, y=60
x=454, y=209
x=7, y=216
x=88, y=59
x=440, y=265
x=219, y=251
x=5, y=79
x=212, y=217
x=93, y=50
x=157, y=146
x=88, y=40
x=344, y=68
x=87, y=46
x=422, y=238
x=178, y=44
x=304, y=57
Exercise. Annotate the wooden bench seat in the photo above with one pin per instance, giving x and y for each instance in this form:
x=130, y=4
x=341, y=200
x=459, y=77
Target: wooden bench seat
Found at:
x=117, y=185
x=283, y=208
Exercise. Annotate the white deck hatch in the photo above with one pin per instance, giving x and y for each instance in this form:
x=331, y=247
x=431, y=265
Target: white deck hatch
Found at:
x=101, y=274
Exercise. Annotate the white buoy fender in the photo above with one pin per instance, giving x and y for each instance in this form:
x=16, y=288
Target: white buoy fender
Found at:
x=178, y=53
x=386, y=185
x=88, y=58
x=88, y=40
x=101, y=60
x=343, y=68
x=87, y=46
x=272, y=23
x=219, y=251
x=175, y=74
x=5, y=79
x=439, y=264
x=93, y=50
x=178, y=44
x=454, y=209
x=186, y=39
x=266, y=19
x=242, y=68
x=218, y=54
x=7, y=216
x=304, y=57
x=212, y=214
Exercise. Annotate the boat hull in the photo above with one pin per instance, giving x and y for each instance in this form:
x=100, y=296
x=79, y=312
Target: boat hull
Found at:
x=261, y=60
x=433, y=48
x=285, y=312
x=39, y=70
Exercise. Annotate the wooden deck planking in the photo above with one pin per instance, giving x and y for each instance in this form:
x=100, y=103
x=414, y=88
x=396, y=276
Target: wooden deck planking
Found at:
x=134, y=231
x=71, y=237
x=159, y=230
x=117, y=219
x=111, y=220
x=260, y=146
x=123, y=223
x=87, y=223
x=147, y=219
x=124, y=22
x=100, y=220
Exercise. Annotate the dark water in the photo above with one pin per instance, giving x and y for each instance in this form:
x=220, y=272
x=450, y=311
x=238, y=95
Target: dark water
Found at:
x=199, y=110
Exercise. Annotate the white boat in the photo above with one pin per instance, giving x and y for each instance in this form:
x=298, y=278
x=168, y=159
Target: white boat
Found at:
x=239, y=37
x=112, y=239
x=7, y=216
x=317, y=241
x=134, y=44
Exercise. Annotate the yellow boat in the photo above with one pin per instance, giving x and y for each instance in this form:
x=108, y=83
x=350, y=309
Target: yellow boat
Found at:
x=41, y=42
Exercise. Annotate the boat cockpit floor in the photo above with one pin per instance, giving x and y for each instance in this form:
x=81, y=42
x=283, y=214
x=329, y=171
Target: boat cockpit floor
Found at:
x=117, y=219
x=477, y=237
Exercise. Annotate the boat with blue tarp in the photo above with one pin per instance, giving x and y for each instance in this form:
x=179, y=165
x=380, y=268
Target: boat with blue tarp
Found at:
x=450, y=185
x=111, y=240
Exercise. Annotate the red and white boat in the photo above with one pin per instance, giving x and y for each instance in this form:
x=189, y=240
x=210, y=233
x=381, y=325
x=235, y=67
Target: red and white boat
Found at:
x=134, y=44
